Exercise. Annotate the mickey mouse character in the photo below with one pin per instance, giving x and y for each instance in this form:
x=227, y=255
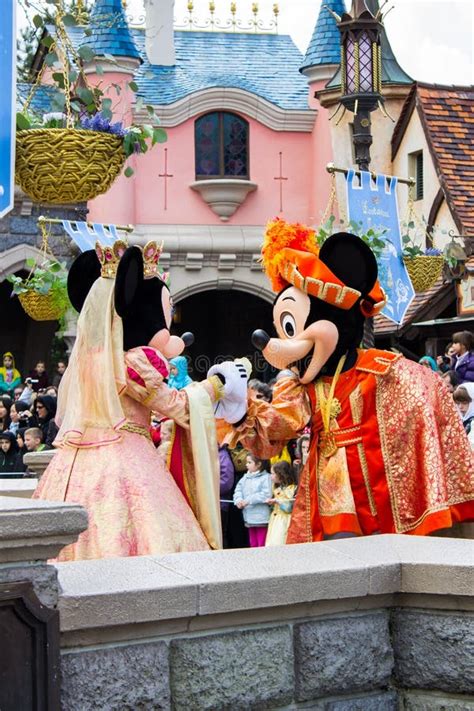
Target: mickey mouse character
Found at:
x=106, y=460
x=388, y=452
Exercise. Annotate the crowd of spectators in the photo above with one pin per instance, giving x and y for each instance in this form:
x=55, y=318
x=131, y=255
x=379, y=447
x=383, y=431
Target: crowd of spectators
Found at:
x=27, y=411
x=256, y=496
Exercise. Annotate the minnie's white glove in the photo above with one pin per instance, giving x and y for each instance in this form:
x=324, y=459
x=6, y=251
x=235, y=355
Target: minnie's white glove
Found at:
x=232, y=406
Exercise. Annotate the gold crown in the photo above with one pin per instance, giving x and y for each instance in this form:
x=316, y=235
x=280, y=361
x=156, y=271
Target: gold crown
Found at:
x=109, y=258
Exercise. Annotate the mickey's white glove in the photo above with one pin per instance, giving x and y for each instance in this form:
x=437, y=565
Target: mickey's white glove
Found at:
x=232, y=406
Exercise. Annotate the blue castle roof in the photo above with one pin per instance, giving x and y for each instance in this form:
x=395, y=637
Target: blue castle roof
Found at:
x=264, y=64
x=324, y=47
x=110, y=31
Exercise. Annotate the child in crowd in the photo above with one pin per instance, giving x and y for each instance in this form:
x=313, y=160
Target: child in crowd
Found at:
x=464, y=399
x=463, y=359
x=34, y=440
x=11, y=459
x=251, y=494
x=284, y=481
x=10, y=377
x=39, y=376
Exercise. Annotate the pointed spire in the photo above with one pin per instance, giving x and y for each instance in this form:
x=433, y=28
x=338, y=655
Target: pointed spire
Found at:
x=324, y=47
x=110, y=31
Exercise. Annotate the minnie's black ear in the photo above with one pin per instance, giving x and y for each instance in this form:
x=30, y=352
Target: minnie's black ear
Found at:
x=129, y=280
x=82, y=274
x=351, y=260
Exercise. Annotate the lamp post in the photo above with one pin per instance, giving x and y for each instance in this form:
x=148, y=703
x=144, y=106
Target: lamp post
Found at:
x=361, y=73
x=361, y=87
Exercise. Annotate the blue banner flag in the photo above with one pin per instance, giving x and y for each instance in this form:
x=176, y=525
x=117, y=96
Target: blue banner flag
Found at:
x=373, y=204
x=7, y=105
x=85, y=235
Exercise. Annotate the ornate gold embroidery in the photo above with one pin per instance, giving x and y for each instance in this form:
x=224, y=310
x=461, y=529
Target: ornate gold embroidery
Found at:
x=365, y=474
x=356, y=401
x=136, y=429
x=428, y=463
x=334, y=486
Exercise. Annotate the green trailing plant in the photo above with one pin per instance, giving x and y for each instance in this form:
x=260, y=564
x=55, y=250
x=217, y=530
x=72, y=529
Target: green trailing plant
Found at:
x=411, y=236
x=47, y=278
x=373, y=238
x=74, y=102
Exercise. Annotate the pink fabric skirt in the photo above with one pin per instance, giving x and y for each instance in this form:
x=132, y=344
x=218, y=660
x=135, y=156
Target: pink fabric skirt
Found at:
x=133, y=502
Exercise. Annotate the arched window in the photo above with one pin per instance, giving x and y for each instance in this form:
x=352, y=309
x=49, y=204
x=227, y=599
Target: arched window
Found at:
x=221, y=144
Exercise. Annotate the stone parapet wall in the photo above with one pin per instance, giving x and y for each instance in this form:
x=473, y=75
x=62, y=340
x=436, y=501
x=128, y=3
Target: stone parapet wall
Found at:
x=372, y=624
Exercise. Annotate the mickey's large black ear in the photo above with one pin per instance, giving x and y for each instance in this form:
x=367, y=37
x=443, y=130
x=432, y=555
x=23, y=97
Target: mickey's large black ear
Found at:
x=351, y=260
x=82, y=274
x=129, y=280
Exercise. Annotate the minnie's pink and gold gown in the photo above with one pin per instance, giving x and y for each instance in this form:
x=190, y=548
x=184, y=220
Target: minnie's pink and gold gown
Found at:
x=134, y=505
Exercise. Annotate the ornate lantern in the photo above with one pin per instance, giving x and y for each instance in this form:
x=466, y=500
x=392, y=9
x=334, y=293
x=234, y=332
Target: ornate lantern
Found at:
x=361, y=73
x=361, y=58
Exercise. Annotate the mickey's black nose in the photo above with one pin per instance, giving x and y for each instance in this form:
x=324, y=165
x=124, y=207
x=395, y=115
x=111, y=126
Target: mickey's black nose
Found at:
x=260, y=339
x=188, y=339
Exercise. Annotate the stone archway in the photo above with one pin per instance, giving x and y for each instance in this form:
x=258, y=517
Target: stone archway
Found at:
x=222, y=321
x=15, y=259
x=29, y=340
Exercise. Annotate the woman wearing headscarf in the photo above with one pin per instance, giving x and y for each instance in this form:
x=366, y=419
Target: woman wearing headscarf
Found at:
x=429, y=362
x=11, y=459
x=179, y=376
x=45, y=414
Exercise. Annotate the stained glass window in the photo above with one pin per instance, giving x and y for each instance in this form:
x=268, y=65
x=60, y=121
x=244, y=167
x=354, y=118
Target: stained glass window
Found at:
x=221, y=142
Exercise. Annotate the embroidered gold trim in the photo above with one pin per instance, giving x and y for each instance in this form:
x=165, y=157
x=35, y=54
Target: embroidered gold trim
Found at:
x=356, y=402
x=386, y=457
x=136, y=429
x=365, y=474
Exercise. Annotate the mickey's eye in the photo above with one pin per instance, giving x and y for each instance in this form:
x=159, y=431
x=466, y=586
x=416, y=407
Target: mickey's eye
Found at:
x=288, y=324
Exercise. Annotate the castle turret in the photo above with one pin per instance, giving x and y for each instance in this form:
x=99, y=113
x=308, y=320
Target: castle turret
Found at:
x=116, y=59
x=323, y=54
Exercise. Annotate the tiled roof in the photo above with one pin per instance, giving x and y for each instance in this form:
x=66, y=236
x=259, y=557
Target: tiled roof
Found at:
x=419, y=306
x=264, y=64
x=447, y=114
x=324, y=47
x=41, y=101
x=110, y=31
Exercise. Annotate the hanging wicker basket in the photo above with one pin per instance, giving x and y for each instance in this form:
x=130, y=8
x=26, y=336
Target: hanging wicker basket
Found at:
x=424, y=271
x=67, y=165
x=41, y=307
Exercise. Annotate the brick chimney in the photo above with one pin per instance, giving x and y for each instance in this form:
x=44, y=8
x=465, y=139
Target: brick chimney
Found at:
x=159, y=37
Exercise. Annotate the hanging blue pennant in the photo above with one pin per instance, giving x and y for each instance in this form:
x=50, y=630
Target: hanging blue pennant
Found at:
x=374, y=205
x=86, y=236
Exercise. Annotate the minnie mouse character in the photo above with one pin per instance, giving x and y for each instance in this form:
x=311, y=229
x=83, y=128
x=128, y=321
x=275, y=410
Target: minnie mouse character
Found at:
x=106, y=459
x=388, y=453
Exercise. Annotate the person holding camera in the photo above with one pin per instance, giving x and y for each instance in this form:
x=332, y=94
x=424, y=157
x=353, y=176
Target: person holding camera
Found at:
x=39, y=377
x=20, y=416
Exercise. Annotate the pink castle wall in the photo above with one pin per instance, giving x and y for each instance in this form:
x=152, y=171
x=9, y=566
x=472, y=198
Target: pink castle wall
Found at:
x=140, y=199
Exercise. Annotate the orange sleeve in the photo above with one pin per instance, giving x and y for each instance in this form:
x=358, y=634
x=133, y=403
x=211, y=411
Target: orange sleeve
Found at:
x=269, y=426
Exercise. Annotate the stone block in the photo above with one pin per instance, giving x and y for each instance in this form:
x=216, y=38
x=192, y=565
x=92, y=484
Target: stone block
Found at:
x=128, y=678
x=342, y=655
x=231, y=580
x=120, y=591
x=438, y=565
x=43, y=577
x=236, y=671
x=418, y=701
x=385, y=701
x=434, y=650
x=33, y=529
x=381, y=557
